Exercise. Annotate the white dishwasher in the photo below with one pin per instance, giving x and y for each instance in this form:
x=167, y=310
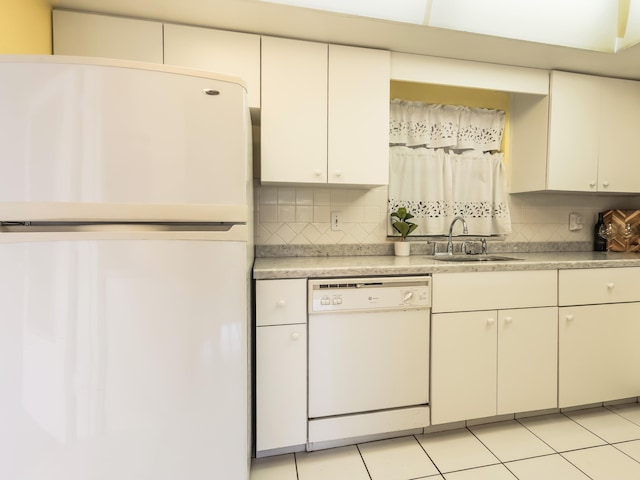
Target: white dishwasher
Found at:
x=368, y=356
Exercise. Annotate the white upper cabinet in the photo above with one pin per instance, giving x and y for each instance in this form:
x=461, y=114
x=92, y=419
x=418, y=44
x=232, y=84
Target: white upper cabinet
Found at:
x=574, y=126
x=218, y=51
x=90, y=35
x=294, y=111
x=325, y=113
x=592, y=122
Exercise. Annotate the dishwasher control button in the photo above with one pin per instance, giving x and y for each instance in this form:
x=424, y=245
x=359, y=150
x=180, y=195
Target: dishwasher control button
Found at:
x=337, y=300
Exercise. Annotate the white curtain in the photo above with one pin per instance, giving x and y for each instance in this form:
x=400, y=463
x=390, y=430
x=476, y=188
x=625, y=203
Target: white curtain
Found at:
x=436, y=186
x=445, y=126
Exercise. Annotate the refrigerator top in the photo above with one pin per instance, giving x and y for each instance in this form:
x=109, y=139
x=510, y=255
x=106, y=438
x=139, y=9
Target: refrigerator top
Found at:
x=111, y=62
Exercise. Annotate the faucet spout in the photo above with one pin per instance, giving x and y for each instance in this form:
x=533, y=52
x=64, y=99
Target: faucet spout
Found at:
x=465, y=231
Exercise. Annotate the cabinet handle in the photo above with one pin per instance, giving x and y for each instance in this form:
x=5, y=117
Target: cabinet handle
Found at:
x=317, y=173
x=508, y=319
x=491, y=321
x=605, y=184
x=610, y=285
x=338, y=173
x=569, y=317
x=295, y=336
x=592, y=184
x=281, y=303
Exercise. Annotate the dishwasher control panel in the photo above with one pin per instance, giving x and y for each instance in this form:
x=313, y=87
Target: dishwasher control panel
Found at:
x=361, y=294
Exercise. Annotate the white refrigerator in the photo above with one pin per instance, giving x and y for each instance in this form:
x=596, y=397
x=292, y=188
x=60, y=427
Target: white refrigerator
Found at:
x=125, y=258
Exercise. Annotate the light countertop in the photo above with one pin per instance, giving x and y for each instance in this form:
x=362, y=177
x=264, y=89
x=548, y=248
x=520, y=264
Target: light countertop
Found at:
x=366, y=265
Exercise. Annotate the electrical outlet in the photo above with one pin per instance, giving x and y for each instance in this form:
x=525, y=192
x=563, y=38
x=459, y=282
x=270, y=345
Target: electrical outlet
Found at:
x=336, y=221
x=576, y=221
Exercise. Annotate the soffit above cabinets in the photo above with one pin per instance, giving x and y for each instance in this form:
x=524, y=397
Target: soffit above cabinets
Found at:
x=260, y=17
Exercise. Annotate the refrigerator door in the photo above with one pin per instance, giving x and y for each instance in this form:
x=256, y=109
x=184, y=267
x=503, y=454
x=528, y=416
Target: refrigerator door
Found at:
x=122, y=134
x=123, y=359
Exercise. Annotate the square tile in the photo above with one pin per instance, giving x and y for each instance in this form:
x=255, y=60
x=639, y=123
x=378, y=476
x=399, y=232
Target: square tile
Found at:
x=630, y=448
x=511, y=441
x=344, y=463
x=281, y=467
x=561, y=433
x=606, y=424
x=549, y=466
x=396, y=459
x=493, y=472
x=604, y=463
x=456, y=450
x=630, y=411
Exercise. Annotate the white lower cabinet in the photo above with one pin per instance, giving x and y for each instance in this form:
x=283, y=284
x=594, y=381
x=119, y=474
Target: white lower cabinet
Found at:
x=493, y=362
x=599, y=353
x=281, y=393
x=281, y=364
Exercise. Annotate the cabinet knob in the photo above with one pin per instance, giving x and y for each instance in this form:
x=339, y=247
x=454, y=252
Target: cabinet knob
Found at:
x=592, y=184
x=295, y=336
x=338, y=173
x=317, y=173
x=491, y=321
x=281, y=303
x=569, y=317
x=610, y=285
x=508, y=319
x=605, y=184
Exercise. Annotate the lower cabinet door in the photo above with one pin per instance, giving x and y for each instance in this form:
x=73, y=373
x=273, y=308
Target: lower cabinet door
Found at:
x=599, y=353
x=527, y=359
x=463, y=366
x=281, y=386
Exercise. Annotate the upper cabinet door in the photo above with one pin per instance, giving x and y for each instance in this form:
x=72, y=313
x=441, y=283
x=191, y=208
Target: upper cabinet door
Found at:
x=294, y=111
x=619, y=166
x=574, y=130
x=227, y=53
x=90, y=35
x=358, y=115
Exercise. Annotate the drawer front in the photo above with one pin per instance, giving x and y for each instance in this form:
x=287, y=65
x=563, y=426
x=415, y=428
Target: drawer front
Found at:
x=281, y=302
x=599, y=285
x=463, y=292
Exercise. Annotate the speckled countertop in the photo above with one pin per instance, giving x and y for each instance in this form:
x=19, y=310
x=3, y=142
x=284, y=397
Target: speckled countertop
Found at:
x=368, y=265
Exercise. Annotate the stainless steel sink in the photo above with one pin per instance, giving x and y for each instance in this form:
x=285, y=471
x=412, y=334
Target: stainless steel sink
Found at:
x=474, y=258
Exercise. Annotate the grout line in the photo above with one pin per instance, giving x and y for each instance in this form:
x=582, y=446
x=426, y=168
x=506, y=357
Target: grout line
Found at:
x=363, y=462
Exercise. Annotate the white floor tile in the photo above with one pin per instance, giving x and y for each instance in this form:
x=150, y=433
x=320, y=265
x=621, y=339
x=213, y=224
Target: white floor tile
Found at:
x=282, y=467
x=561, y=433
x=630, y=411
x=493, y=472
x=456, y=450
x=606, y=424
x=630, y=448
x=396, y=459
x=343, y=463
x=549, y=466
x=604, y=463
x=511, y=441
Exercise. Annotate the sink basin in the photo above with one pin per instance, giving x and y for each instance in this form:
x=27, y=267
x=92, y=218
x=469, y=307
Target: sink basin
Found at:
x=474, y=258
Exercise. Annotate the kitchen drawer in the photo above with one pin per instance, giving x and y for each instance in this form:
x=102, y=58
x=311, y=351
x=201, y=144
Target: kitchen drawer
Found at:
x=463, y=292
x=599, y=285
x=281, y=302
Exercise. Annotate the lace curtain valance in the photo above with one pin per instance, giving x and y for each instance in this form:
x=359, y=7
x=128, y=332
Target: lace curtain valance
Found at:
x=440, y=167
x=445, y=126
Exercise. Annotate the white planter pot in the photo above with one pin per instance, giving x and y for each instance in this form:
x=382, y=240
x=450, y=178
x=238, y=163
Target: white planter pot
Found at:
x=402, y=249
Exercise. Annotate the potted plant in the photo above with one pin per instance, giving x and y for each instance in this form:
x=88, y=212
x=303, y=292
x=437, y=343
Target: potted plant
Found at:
x=404, y=227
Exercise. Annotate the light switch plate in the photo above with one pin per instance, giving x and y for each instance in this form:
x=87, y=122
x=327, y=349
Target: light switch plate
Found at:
x=576, y=221
x=336, y=221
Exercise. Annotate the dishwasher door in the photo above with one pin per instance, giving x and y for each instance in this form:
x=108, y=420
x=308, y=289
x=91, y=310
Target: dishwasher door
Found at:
x=364, y=359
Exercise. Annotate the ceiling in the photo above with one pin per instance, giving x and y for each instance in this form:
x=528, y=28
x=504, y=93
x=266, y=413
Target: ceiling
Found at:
x=255, y=16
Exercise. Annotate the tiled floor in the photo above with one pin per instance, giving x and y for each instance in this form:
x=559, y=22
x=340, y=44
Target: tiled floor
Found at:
x=600, y=444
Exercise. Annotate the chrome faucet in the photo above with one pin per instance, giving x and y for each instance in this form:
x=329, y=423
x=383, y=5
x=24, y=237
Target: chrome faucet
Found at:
x=465, y=231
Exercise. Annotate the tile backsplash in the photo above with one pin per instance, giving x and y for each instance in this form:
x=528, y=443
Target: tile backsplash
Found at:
x=301, y=215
